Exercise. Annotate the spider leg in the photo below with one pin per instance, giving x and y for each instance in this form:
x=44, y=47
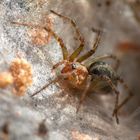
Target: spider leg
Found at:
x=107, y=56
x=92, y=51
x=57, y=38
x=57, y=64
x=107, y=79
x=61, y=43
x=79, y=36
x=126, y=99
x=116, y=66
x=45, y=86
x=84, y=93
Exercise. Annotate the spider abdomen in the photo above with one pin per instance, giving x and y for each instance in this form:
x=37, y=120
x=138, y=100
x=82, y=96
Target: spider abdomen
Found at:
x=101, y=69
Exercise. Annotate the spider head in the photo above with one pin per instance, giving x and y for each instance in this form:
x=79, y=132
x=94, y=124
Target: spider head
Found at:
x=74, y=72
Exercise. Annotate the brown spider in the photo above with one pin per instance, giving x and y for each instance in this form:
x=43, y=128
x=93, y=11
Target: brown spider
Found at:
x=94, y=75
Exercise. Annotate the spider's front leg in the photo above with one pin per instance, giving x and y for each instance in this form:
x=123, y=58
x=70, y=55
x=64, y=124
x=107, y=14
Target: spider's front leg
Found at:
x=78, y=50
x=57, y=38
x=83, y=96
x=92, y=51
x=44, y=87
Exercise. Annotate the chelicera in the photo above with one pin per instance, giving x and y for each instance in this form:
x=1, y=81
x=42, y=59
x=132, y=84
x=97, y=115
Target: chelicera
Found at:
x=94, y=75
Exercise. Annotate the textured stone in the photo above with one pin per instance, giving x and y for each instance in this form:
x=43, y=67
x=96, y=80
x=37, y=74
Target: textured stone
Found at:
x=94, y=119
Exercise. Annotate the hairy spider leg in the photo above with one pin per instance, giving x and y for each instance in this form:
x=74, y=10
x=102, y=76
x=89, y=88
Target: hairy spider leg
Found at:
x=84, y=93
x=57, y=64
x=92, y=51
x=61, y=43
x=130, y=95
x=108, y=80
x=44, y=87
x=79, y=36
x=106, y=56
x=57, y=38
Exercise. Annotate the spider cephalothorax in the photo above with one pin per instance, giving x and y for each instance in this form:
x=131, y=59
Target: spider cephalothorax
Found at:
x=94, y=74
x=74, y=72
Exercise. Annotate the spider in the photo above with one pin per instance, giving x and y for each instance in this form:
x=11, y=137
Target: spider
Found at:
x=94, y=75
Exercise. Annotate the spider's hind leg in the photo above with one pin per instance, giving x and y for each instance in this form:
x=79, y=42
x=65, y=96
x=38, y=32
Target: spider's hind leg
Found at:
x=108, y=80
x=130, y=95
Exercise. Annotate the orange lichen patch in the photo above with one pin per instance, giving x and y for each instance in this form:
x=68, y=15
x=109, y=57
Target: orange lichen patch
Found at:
x=22, y=74
x=38, y=3
x=39, y=36
x=76, y=135
x=41, y=2
x=5, y=79
x=128, y=47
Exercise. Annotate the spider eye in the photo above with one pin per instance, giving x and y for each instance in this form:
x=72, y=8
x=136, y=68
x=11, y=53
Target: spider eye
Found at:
x=73, y=66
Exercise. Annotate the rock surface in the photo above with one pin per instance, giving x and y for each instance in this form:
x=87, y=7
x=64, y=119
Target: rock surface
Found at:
x=94, y=121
